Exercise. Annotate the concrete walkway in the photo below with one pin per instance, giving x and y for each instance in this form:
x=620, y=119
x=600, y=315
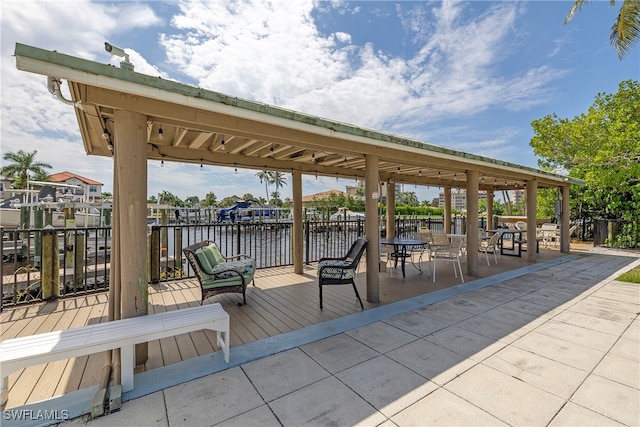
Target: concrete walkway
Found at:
x=554, y=343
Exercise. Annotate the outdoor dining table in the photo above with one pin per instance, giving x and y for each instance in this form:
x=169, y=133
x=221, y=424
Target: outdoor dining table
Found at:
x=515, y=236
x=400, y=247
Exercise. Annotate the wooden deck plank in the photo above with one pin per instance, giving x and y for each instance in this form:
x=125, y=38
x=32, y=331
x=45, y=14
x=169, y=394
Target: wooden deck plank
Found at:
x=95, y=362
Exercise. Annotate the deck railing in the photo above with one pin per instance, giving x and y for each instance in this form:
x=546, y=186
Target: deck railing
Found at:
x=41, y=264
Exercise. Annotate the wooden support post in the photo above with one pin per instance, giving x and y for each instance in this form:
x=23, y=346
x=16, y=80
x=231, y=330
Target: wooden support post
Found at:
x=78, y=261
x=130, y=162
x=371, y=228
x=50, y=274
x=298, y=231
x=565, y=215
x=391, y=209
x=37, y=223
x=447, y=209
x=472, y=222
x=154, y=255
x=532, y=203
x=177, y=250
x=490, y=224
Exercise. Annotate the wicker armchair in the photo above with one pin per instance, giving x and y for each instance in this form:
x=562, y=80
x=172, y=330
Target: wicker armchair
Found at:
x=342, y=271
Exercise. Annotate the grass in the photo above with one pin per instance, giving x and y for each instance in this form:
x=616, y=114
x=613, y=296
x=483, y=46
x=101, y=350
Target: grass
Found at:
x=632, y=276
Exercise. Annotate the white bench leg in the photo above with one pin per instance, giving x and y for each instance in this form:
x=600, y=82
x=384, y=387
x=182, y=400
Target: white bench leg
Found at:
x=223, y=341
x=4, y=392
x=127, y=365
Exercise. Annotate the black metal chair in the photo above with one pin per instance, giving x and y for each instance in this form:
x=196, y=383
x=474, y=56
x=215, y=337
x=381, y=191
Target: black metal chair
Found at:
x=342, y=271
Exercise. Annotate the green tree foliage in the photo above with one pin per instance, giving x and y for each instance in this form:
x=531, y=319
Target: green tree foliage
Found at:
x=192, y=201
x=263, y=176
x=407, y=198
x=228, y=201
x=335, y=201
x=209, y=199
x=602, y=147
x=625, y=30
x=278, y=179
x=168, y=198
x=21, y=166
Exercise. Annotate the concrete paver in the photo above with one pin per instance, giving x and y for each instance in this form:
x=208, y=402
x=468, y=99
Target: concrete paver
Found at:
x=283, y=373
x=558, y=346
x=575, y=355
x=339, y=352
x=211, y=399
x=544, y=373
x=611, y=399
x=572, y=415
x=326, y=403
x=381, y=336
x=443, y=408
x=506, y=398
x=387, y=385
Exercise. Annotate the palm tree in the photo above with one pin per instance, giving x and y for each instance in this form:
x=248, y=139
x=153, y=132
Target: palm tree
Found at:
x=23, y=163
x=265, y=177
x=275, y=196
x=626, y=28
x=278, y=179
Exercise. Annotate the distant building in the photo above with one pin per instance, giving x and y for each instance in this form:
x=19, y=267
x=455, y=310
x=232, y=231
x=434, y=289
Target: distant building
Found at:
x=88, y=191
x=352, y=190
x=307, y=201
x=5, y=184
x=459, y=199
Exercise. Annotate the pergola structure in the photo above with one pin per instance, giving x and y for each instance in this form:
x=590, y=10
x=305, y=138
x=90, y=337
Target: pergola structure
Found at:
x=134, y=117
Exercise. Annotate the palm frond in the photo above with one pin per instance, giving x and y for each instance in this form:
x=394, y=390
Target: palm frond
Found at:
x=626, y=28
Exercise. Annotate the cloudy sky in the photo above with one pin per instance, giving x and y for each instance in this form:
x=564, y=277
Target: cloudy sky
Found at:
x=467, y=75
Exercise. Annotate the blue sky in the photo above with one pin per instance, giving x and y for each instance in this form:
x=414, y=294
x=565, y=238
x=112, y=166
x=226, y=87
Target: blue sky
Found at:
x=467, y=75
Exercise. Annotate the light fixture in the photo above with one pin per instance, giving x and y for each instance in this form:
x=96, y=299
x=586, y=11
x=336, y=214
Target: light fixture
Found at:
x=115, y=50
x=110, y=146
x=160, y=134
x=316, y=177
x=235, y=169
x=420, y=172
x=222, y=147
x=162, y=163
x=200, y=163
x=105, y=134
x=271, y=150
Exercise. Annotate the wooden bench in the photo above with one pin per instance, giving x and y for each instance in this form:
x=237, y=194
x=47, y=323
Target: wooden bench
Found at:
x=19, y=353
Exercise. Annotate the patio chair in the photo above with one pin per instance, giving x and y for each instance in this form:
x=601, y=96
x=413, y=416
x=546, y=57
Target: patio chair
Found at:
x=219, y=274
x=548, y=232
x=490, y=245
x=342, y=271
x=449, y=253
x=421, y=234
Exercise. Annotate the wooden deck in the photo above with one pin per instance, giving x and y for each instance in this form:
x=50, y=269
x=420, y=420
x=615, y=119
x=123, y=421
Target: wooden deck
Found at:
x=280, y=302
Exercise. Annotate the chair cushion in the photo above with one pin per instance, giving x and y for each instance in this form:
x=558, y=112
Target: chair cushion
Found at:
x=203, y=258
x=215, y=252
x=339, y=272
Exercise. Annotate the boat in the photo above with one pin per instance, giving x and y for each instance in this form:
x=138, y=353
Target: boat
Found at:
x=345, y=214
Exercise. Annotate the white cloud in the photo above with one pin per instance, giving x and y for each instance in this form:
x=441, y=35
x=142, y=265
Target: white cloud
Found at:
x=273, y=52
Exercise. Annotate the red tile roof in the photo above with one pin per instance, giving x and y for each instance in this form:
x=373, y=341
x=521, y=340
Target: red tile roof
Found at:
x=65, y=176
